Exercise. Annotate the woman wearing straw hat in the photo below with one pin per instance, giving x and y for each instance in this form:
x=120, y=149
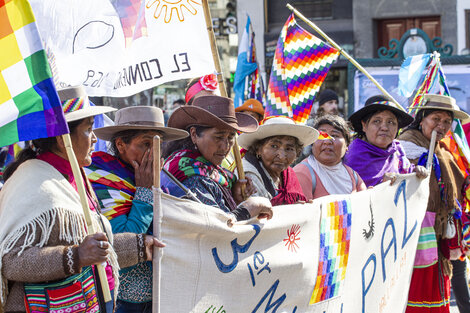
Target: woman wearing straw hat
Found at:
x=271, y=150
x=43, y=235
x=212, y=124
x=122, y=181
x=430, y=286
x=375, y=151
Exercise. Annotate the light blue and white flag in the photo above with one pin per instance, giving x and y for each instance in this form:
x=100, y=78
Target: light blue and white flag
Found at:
x=410, y=73
x=245, y=64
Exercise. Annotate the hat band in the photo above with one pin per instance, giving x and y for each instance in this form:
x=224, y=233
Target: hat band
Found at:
x=228, y=118
x=445, y=106
x=75, y=104
x=141, y=123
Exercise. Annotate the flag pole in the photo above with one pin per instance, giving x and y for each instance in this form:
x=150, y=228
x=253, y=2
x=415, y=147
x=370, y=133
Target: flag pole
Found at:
x=157, y=222
x=86, y=210
x=344, y=53
x=222, y=89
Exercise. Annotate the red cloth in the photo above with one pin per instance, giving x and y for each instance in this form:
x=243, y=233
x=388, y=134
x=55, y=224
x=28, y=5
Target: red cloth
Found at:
x=290, y=191
x=425, y=291
x=63, y=166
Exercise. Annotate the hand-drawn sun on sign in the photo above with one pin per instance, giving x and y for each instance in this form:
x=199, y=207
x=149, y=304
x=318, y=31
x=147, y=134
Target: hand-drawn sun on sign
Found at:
x=292, y=237
x=167, y=8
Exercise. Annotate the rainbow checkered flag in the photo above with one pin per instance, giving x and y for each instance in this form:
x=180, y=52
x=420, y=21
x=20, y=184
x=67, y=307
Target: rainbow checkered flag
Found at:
x=29, y=105
x=300, y=65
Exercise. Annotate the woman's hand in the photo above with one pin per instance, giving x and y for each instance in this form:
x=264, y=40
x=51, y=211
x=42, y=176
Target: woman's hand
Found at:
x=144, y=171
x=237, y=190
x=93, y=250
x=259, y=207
x=421, y=172
x=392, y=177
x=149, y=243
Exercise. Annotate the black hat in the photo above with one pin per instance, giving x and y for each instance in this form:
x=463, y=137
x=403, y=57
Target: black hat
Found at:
x=379, y=103
x=327, y=95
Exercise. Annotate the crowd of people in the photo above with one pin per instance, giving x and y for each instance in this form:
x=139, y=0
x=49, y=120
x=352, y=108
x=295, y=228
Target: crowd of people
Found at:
x=47, y=230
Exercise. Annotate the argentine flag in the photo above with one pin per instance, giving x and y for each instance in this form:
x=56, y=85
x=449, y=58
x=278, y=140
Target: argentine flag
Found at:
x=410, y=72
x=244, y=66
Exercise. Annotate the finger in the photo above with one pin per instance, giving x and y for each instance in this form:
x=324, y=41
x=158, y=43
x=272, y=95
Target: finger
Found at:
x=242, y=181
x=135, y=165
x=158, y=243
x=145, y=158
x=100, y=236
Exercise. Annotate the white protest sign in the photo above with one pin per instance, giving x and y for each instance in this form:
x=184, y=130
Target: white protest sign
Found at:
x=118, y=48
x=347, y=253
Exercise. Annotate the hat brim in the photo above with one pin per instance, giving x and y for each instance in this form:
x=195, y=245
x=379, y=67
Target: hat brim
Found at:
x=305, y=134
x=404, y=119
x=168, y=133
x=188, y=115
x=87, y=112
x=461, y=115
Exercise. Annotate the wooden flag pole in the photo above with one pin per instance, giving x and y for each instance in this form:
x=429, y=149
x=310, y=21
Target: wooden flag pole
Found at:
x=344, y=53
x=222, y=89
x=157, y=221
x=86, y=210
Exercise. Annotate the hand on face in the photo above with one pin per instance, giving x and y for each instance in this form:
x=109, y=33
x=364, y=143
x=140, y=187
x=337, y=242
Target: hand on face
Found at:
x=381, y=129
x=329, y=152
x=138, y=153
x=441, y=121
x=277, y=154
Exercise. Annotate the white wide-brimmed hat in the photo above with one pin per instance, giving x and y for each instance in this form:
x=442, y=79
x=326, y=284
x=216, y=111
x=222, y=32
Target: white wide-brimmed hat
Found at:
x=279, y=126
x=140, y=118
x=76, y=105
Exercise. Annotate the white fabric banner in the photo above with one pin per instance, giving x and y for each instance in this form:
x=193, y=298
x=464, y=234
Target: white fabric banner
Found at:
x=118, y=48
x=346, y=253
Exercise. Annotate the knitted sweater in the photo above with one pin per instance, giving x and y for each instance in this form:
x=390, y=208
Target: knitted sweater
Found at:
x=40, y=232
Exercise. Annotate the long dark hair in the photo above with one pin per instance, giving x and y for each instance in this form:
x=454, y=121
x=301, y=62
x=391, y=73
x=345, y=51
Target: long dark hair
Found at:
x=182, y=144
x=39, y=146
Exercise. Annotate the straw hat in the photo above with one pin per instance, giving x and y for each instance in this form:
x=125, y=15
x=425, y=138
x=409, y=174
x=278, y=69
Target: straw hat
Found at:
x=279, y=126
x=252, y=105
x=140, y=118
x=379, y=103
x=446, y=103
x=77, y=106
x=212, y=111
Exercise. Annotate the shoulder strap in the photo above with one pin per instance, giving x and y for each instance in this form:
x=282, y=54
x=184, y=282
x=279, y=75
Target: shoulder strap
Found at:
x=356, y=178
x=312, y=173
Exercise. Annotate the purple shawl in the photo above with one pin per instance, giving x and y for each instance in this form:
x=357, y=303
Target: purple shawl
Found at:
x=371, y=162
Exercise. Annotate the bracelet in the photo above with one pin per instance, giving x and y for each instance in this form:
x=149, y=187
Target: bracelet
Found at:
x=141, y=247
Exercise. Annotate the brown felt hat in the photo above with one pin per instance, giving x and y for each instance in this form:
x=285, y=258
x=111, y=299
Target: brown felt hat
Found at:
x=212, y=111
x=140, y=118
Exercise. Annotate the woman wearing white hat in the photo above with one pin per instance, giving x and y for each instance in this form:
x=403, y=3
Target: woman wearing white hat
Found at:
x=430, y=283
x=43, y=232
x=271, y=150
x=123, y=181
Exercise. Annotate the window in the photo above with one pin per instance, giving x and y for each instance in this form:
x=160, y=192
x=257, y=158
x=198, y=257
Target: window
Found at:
x=312, y=9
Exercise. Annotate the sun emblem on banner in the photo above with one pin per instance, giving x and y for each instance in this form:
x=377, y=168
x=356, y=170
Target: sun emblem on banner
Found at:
x=292, y=236
x=172, y=9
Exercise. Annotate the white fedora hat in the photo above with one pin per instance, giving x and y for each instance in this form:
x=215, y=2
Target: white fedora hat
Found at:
x=76, y=105
x=279, y=126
